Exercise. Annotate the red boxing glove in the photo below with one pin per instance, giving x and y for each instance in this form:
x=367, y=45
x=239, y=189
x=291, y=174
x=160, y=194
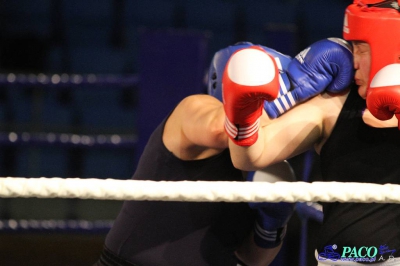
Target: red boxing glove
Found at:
x=383, y=98
x=251, y=76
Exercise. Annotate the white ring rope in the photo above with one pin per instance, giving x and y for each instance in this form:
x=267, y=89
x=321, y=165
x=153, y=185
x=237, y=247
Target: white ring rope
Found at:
x=201, y=191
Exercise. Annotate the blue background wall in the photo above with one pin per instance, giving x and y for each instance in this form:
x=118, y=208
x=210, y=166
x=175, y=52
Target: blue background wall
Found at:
x=119, y=37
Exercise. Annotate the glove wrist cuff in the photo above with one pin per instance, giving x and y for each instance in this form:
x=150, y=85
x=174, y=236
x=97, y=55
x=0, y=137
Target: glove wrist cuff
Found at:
x=268, y=238
x=242, y=135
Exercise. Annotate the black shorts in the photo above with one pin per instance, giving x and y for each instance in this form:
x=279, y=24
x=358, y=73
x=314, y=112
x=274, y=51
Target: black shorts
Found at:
x=107, y=258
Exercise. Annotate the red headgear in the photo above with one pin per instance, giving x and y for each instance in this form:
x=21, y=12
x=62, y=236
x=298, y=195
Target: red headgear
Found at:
x=367, y=20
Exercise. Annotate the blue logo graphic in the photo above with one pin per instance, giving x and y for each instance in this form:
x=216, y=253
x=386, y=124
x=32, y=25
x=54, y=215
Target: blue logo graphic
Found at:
x=329, y=253
x=383, y=249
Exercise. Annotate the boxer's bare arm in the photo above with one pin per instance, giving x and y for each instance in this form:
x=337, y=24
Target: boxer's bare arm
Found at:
x=195, y=129
x=306, y=126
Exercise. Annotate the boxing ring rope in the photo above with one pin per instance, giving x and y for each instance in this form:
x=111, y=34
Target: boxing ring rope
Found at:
x=198, y=191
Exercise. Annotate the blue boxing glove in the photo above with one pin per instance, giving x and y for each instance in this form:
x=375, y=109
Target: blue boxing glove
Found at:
x=325, y=65
x=218, y=63
x=271, y=221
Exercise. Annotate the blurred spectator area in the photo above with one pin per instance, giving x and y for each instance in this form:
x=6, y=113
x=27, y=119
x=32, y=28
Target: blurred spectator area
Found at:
x=102, y=37
x=105, y=37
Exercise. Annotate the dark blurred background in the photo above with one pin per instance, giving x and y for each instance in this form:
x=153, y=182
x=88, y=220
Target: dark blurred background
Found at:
x=84, y=82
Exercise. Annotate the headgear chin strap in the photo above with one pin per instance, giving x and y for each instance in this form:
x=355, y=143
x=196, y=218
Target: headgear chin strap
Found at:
x=378, y=24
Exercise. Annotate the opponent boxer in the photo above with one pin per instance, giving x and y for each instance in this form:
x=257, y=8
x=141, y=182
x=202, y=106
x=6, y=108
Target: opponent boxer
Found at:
x=383, y=86
x=191, y=145
x=354, y=146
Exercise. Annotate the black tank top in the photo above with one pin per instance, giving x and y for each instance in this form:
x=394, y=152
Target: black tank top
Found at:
x=356, y=152
x=180, y=233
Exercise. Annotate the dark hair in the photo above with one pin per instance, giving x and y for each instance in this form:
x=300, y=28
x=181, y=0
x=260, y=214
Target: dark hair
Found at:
x=386, y=4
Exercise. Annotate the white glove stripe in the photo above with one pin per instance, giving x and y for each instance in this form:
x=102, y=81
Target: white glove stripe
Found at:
x=249, y=131
x=278, y=106
x=283, y=89
x=241, y=132
x=291, y=99
x=269, y=235
x=278, y=63
x=285, y=102
x=250, y=127
x=230, y=128
x=265, y=234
